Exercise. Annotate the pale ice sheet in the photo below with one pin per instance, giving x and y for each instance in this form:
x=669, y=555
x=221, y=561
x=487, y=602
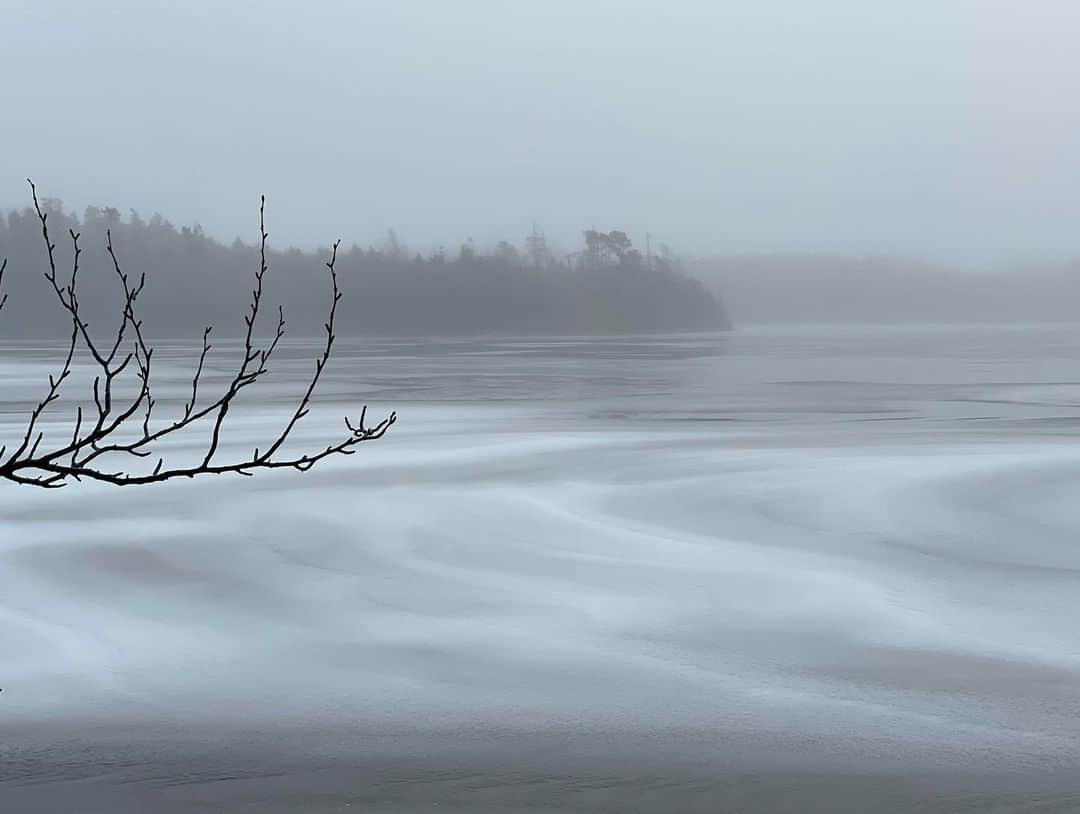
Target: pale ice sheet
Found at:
x=864, y=542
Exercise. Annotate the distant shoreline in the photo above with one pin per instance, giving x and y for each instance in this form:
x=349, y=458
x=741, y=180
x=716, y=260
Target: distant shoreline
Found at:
x=193, y=280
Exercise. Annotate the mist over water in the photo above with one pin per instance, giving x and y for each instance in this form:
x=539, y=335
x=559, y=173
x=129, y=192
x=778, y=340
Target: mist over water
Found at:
x=836, y=547
x=735, y=358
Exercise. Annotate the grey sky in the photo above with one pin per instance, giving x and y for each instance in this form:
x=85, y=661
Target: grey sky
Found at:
x=945, y=128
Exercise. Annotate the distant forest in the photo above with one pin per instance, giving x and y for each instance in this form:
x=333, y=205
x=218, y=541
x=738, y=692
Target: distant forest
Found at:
x=192, y=280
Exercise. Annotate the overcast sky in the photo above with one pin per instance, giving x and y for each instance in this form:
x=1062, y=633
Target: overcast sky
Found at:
x=943, y=128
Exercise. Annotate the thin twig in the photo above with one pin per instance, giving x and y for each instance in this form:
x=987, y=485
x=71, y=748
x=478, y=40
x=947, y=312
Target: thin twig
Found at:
x=81, y=456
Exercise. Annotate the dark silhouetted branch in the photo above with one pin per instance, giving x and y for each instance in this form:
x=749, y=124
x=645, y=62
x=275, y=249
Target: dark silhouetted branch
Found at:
x=100, y=437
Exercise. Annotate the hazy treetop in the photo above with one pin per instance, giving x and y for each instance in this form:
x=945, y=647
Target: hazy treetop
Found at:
x=939, y=128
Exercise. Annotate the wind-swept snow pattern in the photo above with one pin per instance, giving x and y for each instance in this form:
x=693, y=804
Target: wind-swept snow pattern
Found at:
x=851, y=551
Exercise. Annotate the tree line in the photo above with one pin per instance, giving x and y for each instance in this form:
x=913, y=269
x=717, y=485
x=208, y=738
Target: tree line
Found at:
x=607, y=287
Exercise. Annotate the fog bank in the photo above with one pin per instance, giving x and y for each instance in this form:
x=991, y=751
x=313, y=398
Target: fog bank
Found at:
x=800, y=288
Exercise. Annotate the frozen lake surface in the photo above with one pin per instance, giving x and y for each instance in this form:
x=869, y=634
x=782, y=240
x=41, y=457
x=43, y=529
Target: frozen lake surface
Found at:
x=833, y=557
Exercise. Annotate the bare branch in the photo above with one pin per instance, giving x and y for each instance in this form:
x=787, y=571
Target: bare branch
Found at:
x=93, y=442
